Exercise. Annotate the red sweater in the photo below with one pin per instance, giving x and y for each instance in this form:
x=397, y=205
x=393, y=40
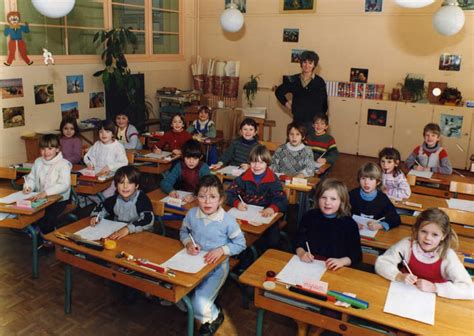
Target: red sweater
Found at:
x=173, y=140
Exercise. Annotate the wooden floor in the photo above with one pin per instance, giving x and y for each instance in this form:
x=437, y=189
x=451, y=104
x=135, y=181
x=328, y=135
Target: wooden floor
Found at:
x=35, y=307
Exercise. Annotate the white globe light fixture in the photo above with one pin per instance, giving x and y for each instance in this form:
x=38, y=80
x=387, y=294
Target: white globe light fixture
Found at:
x=54, y=8
x=449, y=19
x=232, y=19
x=414, y=3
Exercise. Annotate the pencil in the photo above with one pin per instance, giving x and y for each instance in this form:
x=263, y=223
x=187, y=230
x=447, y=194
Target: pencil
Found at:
x=380, y=219
x=419, y=164
x=307, y=246
x=322, y=155
x=405, y=263
x=26, y=183
x=240, y=198
x=454, y=170
x=191, y=237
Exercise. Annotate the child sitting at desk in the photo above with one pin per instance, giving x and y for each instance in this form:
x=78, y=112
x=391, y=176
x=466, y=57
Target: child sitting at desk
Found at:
x=294, y=158
x=430, y=156
x=185, y=175
x=175, y=138
x=127, y=134
x=129, y=205
x=71, y=144
x=323, y=145
x=215, y=231
x=394, y=182
x=368, y=201
x=204, y=127
x=50, y=175
x=427, y=259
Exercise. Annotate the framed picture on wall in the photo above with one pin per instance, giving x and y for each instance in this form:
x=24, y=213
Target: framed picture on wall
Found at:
x=451, y=125
x=466, y=4
x=377, y=117
x=297, y=6
x=241, y=5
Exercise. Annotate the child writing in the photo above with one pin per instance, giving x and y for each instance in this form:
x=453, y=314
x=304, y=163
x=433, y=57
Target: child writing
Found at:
x=367, y=201
x=428, y=259
x=204, y=127
x=50, y=175
x=71, y=144
x=174, y=139
x=129, y=205
x=238, y=151
x=430, y=156
x=218, y=233
x=329, y=230
x=323, y=145
x=294, y=158
x=185, y=175
x=127, y=134
x=394, y=182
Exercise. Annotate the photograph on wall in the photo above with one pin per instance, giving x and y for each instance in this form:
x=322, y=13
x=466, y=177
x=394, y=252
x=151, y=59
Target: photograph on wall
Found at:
x=241, y=5
x=96, y=99
x=295, y=55
x=297, y=6
x=466, y=4
x=373, y=5
x=377, y=117
x=75, y=84
x=359, y=75
x=451, y=125
x=44, y=94
x=70, y=110
x=449, y=62
x=13, y=116
x=291, y=35
x=11, y=88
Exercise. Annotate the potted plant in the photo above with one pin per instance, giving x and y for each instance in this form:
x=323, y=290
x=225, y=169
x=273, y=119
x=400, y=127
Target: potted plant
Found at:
x=251, y=88
x=451, y=96
x=413, y=88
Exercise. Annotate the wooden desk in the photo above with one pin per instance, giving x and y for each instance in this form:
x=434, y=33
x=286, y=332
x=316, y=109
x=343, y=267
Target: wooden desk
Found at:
x=438, y=184
x=146, y=245
x=451, y=317
x=24, y=220
x=159, y=166
x=90, y=185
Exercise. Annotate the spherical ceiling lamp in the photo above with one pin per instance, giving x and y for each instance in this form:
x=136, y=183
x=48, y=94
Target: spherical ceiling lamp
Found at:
x=54, y=8
x=232, y=19
x=449, y=19
x=414, y=3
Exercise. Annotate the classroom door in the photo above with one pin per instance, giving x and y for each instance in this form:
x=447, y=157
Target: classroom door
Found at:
x=344, y=116
x=455, y=123
x=376, y=126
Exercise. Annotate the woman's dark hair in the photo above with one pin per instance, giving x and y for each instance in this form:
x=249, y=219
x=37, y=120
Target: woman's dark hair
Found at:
x=392, y=154
x=309, y=55
x=191, y=149
x=130, y=172
x=108, y=125
x=210, y=181
x=73, y=122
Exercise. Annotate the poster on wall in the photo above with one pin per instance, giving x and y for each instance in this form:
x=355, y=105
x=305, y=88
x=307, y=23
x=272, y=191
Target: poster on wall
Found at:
x=449, y=62
x=359, y=75
x=44, y=94
x=96, y=99
x=295, y=55
x=373, y=5
x=466, y=4
x=70, y=110
x=297, y=6
x=11, y=88
x=451, y=125
x=291, y=34
x=377, y=117
x=13, y=116
x=75, y=84
x=241, y=4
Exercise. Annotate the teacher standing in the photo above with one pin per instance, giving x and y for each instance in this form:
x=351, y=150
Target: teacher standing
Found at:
x=308, y=89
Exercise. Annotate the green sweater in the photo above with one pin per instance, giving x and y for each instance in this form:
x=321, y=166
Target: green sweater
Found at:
x=323, y=143
x=238, y=152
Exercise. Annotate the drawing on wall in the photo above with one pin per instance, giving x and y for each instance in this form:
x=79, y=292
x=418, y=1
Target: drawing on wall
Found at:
x=377, y=117
x=75, y=84
x=13, y=116
x=241, y=5
x=466, y=4
x=373, y=5
x=44, y=94
x=449, y=62
x=11, y=88
x=291, y=34
x=96, y=99
x=70, y=110
x=297, y=6
x=359, y=75
x=451, y=125
x=295, y=55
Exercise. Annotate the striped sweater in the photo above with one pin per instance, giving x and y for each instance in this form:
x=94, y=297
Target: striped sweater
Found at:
x=323, y=143
x=238, y=152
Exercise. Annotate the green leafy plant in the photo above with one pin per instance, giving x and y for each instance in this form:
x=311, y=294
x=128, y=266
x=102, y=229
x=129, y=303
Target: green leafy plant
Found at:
x=451, y=96
x=413, y=88
x=251, y=88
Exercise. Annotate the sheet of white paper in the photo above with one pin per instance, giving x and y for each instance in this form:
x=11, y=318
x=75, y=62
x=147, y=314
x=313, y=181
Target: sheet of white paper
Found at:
x=296, y=272
x=182, y=195
x=466, y=205
x=102, y=230
x=16, y=196
x=160, y=156
x=365, y=232
x=251, y=215
x=231, y=170
x=410, y=302
x=5, y=215
x=88, y=172
x=425, y=174
x=184, y=262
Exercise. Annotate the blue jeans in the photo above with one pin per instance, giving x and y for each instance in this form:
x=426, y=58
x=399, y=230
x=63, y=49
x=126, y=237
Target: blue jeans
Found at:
x=206, y=293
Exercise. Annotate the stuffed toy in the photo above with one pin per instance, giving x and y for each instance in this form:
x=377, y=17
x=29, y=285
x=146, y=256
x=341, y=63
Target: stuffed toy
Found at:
x=48, y=57
x=15, y=31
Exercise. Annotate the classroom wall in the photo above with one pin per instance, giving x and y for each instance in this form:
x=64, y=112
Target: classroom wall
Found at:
x=390, y=44
x=48, y=116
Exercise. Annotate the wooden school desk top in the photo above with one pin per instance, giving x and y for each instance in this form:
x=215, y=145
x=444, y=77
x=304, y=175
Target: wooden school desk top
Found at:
x=13, y=209
x=452, y=317
x=446, y=179
x=426, y=202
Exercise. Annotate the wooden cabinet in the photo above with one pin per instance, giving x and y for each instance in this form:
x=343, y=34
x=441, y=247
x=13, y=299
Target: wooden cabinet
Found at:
x=344, y=116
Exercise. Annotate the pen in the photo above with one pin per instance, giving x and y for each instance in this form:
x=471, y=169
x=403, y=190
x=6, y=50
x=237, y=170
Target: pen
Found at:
x=307, y=246
x=419, y=164
x=454, y=170
x=191, y=237
x=321, y=155
x=97, y=220
x=405, y=263
x=380, y=219
x=26, y=183
x=240, y=198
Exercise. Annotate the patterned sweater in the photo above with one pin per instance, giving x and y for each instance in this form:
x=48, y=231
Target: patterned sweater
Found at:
x=436, y=158
x=323, y=143
x=291, y=160
x=396, y=186
x=238, y=152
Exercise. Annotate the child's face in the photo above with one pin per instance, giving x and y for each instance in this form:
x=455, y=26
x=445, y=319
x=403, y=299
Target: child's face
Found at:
x=126, y=189
x=49, y=153
x=388, y=165
x=258, y=167
x=329, y=202
x=294, y=137
x=248, y=132
x=429, y=237
x=177, y=124
x=68, y=130
x=320, y=126
x=191, y=162
x=121, y=121
x=105, y=136
x=203, y=115
x=209, y=200
x=431, y=138
x=368, y=184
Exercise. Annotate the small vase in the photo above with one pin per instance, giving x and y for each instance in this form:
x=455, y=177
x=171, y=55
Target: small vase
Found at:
x=396, y=94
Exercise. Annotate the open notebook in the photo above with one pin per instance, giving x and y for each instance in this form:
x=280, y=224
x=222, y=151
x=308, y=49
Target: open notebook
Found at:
x=252, y=215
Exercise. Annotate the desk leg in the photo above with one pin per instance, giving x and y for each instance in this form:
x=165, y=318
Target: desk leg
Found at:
x=34, y=250
x=260, y=314
x=189, y=305
x=67, y=288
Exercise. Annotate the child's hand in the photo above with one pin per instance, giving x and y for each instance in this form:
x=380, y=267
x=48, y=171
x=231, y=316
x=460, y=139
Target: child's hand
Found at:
x=321, y=160
x=335, y=263
x=361, y=226
x=191, y=249
x=267, y=212
x=425, y=286
x=216, y=166
x=244, y=166
x=104, y=171
x=176, y=152
x=421, y=168
x=214, y=255
x=26, y=190
x=94, y=221
x=304, y=255
x=39, y=196
x=174, y=194
x=406, y=278
x=188, y=198
x=374, y=225
x=156, y=150
x=242, y=206
x=90, y=166
x=119, y=233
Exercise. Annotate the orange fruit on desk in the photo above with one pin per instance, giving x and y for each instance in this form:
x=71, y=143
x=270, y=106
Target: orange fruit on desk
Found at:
x=110, y=244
